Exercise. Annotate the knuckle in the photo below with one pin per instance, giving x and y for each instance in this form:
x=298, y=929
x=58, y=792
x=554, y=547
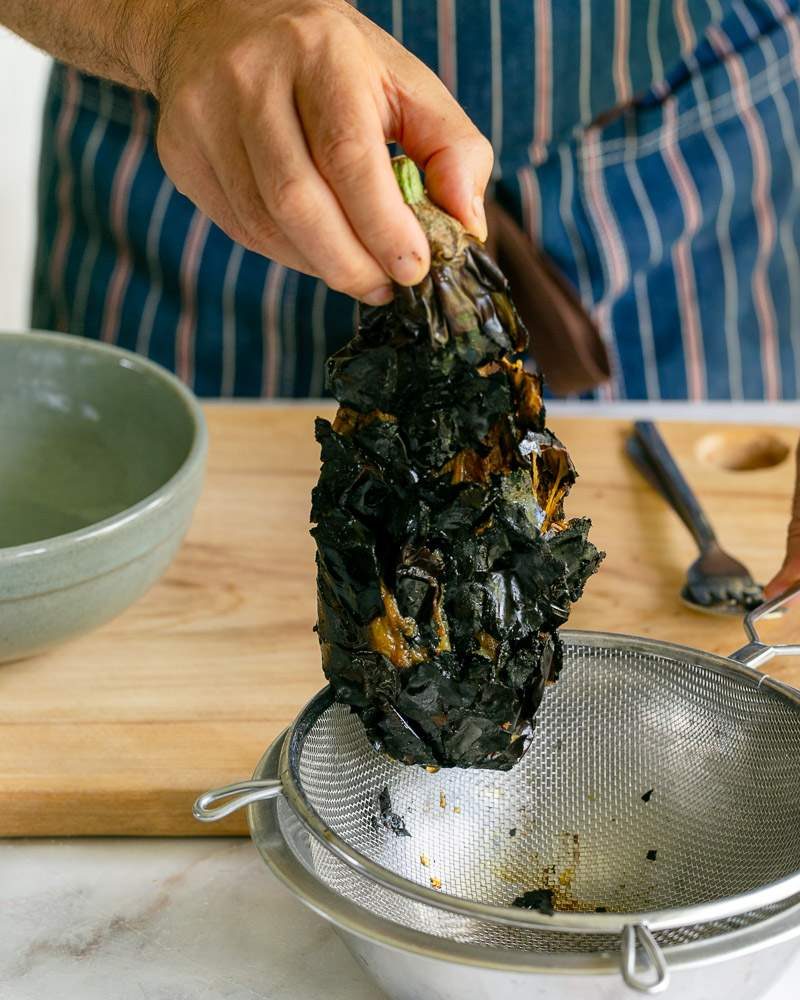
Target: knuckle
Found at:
x=255, y=227
x=308, y=30
x=292, y=198
x=224, y=218
x=250, y=233
x=264, y=232
x=343, y=156
x=234, y=230
x=246, y=201
x=234, y=68
x=189, y=101
x=348, y=280
x=239, y=66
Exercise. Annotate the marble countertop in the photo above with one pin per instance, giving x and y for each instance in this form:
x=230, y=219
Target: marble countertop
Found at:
x=203, y=919
x=170, y=920
x=161, y=920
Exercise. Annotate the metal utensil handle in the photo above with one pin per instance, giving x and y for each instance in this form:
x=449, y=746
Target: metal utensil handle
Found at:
x=633, y=936
x=672, y=484
x=757, y=651
x=233, y=798
x=639, y=457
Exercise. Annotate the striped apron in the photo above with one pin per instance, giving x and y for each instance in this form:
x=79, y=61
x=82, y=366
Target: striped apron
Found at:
x=651, y=147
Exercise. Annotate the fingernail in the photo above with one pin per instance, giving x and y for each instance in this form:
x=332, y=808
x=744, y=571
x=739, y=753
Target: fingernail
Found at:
x=479, y=212
x=408, y=269
x=379, y=296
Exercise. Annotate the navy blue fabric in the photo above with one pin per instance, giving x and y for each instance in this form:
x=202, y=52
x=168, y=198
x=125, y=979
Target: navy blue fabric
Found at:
x=649, y=146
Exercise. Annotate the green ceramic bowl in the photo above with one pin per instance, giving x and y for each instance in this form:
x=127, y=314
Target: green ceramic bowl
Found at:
x=102, y=455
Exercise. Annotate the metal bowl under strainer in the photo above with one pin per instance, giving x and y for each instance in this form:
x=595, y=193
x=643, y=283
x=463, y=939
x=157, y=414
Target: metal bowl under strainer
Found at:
x=657, y=807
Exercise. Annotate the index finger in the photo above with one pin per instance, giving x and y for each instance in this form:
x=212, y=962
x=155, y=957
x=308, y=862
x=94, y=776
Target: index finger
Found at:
x=346, y=137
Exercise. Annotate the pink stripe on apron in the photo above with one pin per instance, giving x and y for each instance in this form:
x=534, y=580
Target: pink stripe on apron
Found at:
x=67, y=116
x=622, y=41
x=448, y=71
x=683, y=23
x=543, y=80
x=129, y=163
x=272, y=330
x=188, y=278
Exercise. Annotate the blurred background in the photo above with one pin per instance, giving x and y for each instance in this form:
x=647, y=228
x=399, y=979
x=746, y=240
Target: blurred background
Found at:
x=23, y=77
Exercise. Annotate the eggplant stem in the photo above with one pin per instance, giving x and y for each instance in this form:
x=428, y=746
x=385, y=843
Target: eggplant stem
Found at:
x=447, y=237
x=408, y=178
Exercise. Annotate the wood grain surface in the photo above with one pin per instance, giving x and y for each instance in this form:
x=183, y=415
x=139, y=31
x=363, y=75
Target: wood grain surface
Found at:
x=118, y=732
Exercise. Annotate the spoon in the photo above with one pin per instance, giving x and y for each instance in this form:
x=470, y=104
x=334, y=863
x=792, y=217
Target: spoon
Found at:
x=716, y=583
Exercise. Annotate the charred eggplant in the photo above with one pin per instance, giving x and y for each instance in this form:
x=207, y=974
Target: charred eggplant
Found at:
x=445, y=562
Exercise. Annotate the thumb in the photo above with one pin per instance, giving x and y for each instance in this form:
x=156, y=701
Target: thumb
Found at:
x=789, y=573
x=457, y=159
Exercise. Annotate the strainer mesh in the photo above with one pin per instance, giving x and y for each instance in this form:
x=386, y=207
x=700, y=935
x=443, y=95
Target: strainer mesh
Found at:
x=651, y=782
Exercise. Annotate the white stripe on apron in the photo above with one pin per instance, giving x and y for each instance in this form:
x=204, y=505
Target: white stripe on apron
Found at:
x=585, y=69
x=565, y=207
x=763, y=210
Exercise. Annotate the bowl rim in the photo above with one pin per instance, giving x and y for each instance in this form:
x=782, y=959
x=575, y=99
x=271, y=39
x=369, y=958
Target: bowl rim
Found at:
x=47, y=547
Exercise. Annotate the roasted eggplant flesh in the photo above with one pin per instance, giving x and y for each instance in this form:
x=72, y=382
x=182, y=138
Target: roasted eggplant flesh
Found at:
x=445, y=562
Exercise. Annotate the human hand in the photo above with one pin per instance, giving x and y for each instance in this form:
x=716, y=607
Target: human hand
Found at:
x=274, y=118
x=789, y=573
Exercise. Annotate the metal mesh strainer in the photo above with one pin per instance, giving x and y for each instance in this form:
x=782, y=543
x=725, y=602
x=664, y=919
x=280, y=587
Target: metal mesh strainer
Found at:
x=472, y=931
x=659, y=799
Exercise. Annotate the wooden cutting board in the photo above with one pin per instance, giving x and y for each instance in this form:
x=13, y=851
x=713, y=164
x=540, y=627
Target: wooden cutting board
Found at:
x=118, y=732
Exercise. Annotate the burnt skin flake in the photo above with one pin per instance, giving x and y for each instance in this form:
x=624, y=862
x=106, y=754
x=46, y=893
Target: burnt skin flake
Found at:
x=445, y=562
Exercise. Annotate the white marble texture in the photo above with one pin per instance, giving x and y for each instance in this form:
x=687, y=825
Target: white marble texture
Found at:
x=160, y=920
x=170, y=920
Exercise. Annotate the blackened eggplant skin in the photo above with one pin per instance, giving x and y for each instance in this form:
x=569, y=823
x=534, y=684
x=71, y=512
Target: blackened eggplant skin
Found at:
x=445, y=563
x=540, y=900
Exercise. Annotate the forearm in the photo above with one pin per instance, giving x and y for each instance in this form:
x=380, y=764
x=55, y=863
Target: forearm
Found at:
x=123, y=40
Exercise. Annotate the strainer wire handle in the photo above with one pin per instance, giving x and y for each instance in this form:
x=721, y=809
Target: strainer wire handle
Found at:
x=233, y=798
x=757, y=651
x=633, y=937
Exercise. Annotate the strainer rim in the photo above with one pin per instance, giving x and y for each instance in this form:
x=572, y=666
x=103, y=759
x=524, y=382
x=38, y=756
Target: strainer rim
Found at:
x=600, y=923
x=280, y=856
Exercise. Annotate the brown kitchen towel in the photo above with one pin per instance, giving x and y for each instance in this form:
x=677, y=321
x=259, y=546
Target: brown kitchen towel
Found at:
x=565, y=342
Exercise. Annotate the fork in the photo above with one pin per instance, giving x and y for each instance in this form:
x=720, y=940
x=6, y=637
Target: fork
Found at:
x=715, y=582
